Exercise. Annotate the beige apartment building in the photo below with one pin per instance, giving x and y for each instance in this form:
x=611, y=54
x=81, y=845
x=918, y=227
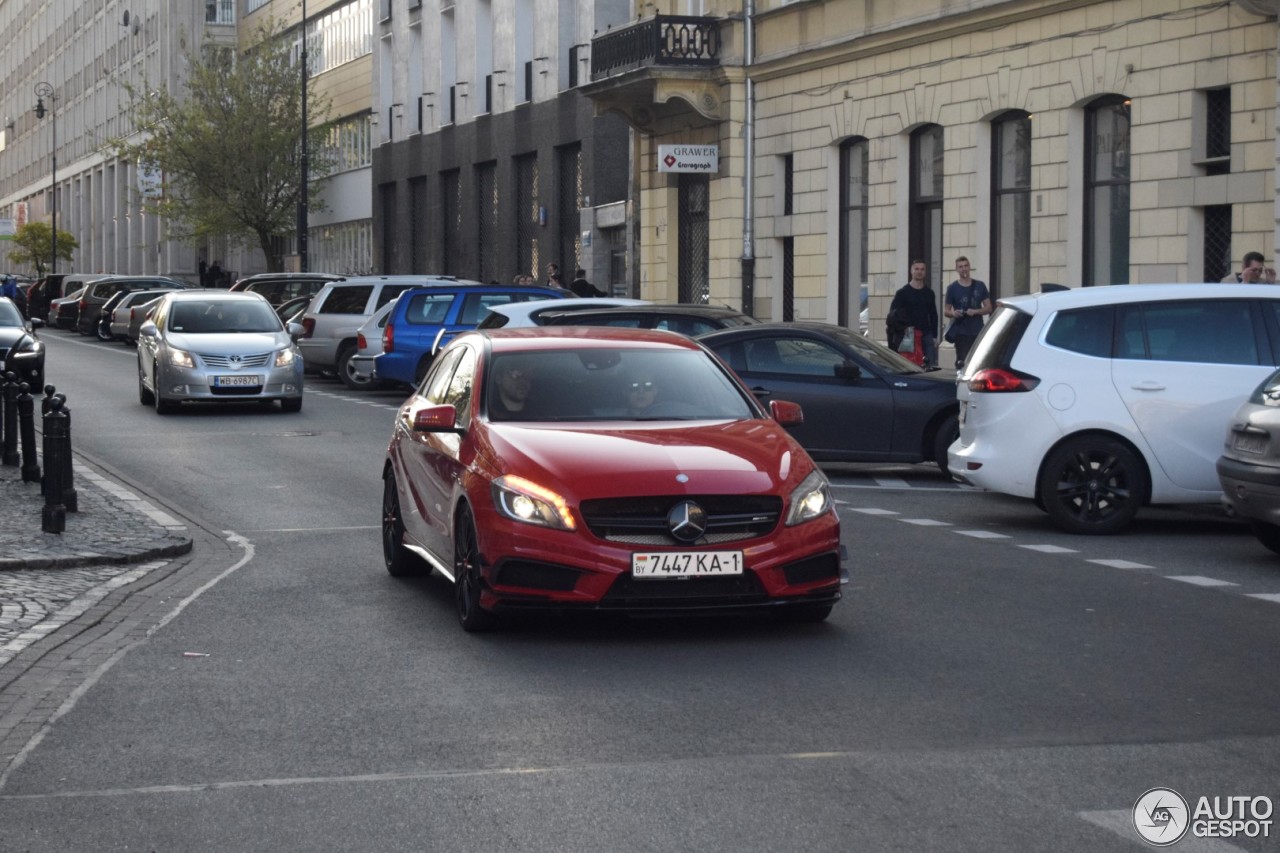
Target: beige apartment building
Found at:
x=1068, y=142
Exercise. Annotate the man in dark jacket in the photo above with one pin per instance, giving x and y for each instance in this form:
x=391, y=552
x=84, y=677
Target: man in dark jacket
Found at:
x=918, y=304
x=581, y=287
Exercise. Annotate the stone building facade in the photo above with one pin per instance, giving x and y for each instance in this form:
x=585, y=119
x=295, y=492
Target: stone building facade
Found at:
x=1067, y=142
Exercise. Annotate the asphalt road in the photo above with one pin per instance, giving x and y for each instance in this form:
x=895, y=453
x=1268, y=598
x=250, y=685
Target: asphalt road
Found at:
x=989, y=683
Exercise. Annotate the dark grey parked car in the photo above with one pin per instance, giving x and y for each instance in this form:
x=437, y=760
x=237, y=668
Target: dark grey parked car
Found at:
x=97, y=292
x=862, y=401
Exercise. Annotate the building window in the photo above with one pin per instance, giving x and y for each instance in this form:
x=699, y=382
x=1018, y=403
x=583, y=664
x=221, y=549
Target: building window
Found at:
x=693, y=209
x=788, y=183
x=487, y=221
x=451, y=220
x=1011, y=204
x=1106, y=208
x=569, y=167
x=528, y=216
x=853, y=228
x=417, y=225
x=927, y=175
x=788, y=279
x=1217, y=132
x=1217, y=242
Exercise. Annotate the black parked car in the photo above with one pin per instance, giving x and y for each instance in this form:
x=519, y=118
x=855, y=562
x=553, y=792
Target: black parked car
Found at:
x=862, y=401
x=688, y=320
x=20, y=350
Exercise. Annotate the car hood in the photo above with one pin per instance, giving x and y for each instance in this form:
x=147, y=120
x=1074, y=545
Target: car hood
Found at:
x=706, y=457
x=229, y=343
x=10, y=335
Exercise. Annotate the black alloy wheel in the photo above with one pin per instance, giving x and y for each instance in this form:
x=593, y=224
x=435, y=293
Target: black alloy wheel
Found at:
x=1093, y=485
x=399, y=560
x=104, y=331
x=347, y=373
x=466, y=575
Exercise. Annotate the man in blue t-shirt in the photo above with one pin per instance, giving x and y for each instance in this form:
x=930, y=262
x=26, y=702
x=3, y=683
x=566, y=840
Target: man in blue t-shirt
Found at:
x=967, y=302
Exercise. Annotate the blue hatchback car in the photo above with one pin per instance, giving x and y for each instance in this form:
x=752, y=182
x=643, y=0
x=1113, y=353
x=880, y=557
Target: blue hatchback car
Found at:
x=424, y=319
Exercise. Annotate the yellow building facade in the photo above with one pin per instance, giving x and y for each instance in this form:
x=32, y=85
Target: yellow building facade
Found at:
x=1049, y=142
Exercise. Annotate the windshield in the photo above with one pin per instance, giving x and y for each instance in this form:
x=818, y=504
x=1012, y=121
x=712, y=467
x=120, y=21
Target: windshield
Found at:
x=612, y=385
x=879, y=355
x=9, y=314
x=223, y=317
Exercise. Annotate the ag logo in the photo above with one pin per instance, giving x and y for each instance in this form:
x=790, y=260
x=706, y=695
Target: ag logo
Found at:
x=1161, y=817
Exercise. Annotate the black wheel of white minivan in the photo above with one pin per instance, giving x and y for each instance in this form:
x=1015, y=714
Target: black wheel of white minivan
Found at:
x=1093, y=484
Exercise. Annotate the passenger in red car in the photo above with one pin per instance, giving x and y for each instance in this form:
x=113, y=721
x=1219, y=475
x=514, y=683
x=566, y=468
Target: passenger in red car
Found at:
x=642, y=393
x=509, y=401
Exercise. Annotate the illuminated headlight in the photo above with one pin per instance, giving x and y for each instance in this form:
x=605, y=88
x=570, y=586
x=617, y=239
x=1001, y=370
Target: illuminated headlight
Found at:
x=284, y=358
x=811, y=499
x=179, y=358
x=521, y=500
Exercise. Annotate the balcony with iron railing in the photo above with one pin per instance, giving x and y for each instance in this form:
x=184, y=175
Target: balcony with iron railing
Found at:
x=663, y=40
x=660, y=69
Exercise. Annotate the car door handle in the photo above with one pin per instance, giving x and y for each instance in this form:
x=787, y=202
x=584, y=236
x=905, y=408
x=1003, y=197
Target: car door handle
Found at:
x=761, y=392
x=1148, y=385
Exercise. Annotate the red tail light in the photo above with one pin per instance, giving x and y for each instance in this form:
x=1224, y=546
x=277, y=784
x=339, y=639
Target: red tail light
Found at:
x=1000, y=381
x=308, y=326
x=83, y=304
x=133, y=314
x=361, y=343
x=388, y=338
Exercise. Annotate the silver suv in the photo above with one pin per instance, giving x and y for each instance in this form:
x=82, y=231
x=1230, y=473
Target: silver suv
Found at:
x=332, y=321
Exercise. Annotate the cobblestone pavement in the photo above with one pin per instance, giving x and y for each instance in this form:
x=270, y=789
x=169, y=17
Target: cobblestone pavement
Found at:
x=47, y=579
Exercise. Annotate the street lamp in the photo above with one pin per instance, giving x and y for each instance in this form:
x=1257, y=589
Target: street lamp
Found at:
x=45, y=90
x=302, y=194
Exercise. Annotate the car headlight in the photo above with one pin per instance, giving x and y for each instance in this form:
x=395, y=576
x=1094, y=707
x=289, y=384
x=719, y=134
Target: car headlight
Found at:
x=180, y=358
x=284, y=358
x=521, y=500
x=26, y=349
x=810, y=499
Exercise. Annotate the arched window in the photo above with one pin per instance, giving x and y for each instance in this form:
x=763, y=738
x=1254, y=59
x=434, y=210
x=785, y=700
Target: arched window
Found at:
x=927, y=190
x=1106, y=202
x=1010, y=204
x=853, y=229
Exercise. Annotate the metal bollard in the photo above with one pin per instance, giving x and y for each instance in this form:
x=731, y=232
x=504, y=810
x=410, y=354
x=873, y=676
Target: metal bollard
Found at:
x=44, y=410
x=57, y=442
x=27, y=432
x=69, y=497
x=10, y=453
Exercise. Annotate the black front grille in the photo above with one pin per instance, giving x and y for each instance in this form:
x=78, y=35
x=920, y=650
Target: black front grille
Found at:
x=536, y=575
x=643, y=521
x=729, y=591
x=824, y=567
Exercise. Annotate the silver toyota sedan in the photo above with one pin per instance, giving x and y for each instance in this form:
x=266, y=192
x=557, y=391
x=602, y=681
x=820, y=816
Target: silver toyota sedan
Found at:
x=217, y=346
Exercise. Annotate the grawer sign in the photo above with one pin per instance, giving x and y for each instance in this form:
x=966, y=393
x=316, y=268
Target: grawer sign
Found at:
x=703, y=159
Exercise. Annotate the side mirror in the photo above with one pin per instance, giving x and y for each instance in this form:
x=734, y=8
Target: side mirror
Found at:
x=786, y=413
x=149, y=330
x=436, y=419
x=848, y=371
x=36, y=323
x=295, y=330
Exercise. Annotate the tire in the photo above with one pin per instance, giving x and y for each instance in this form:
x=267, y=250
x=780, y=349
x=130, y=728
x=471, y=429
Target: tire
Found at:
x=466, y=576
x=348, y=376
x=163, y=406
x=1093, y=485
x=104, y=333
x=1268, y=534
x=145, y=397
x=948, y=432
x=804, y=614
x=400, y=561
x=291, y=404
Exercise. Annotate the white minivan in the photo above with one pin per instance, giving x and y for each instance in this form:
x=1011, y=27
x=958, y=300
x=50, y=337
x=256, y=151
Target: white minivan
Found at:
x=1097, y=401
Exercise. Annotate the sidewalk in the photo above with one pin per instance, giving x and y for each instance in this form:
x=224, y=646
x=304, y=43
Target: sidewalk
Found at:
x=113, y=526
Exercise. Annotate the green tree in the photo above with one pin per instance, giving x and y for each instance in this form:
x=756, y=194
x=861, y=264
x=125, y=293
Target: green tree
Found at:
x=227, y=144
x=34, y=247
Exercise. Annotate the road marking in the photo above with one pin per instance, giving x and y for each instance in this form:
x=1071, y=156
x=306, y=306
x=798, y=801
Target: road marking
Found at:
x=1121, y=564
x=1200, y=580
x=1050, y=549
x=891, y=482
x=982, y=534
x=873, y=511
x=925, y=522
x=1267, y=596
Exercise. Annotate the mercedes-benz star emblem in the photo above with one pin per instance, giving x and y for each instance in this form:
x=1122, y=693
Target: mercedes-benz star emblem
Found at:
x=687, y=521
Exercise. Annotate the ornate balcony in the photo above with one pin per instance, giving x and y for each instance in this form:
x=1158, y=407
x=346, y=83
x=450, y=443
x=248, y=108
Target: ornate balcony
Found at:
x=641, y=69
